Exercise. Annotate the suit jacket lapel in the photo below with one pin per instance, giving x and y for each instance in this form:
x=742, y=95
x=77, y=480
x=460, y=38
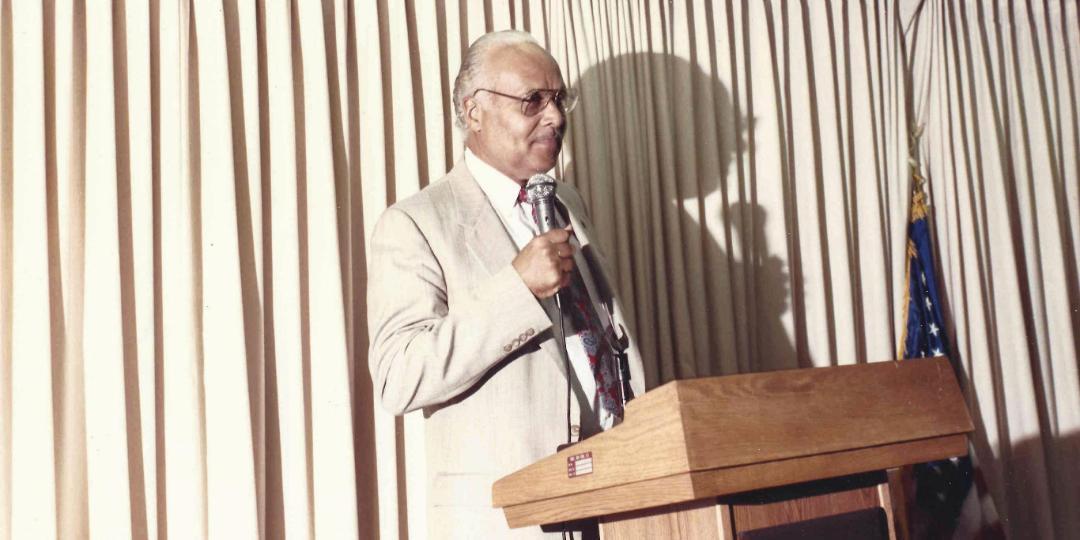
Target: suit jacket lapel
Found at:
x=593, y=270
x=580, y=230
x=484, y=234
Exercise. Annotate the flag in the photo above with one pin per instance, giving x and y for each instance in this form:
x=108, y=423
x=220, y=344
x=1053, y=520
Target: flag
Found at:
x=924, y=334
x=950, y=499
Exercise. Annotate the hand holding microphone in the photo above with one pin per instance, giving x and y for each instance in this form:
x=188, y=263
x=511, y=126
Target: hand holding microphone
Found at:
x=547, y=261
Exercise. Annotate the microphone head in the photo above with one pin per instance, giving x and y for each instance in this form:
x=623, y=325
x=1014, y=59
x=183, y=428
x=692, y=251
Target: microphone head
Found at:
x=540, y=192
x=540, y=189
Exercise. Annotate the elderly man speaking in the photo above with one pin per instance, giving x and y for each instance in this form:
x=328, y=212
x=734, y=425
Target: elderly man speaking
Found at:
x=462, y=297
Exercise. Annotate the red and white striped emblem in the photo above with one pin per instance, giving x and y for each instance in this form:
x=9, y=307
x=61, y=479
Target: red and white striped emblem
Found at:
x=579, y=465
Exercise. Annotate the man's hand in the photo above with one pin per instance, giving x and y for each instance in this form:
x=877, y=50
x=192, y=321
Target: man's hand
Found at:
x=546, y=262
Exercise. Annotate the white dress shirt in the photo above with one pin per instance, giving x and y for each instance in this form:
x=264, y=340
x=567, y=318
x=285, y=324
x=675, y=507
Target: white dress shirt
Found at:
x=502, y=192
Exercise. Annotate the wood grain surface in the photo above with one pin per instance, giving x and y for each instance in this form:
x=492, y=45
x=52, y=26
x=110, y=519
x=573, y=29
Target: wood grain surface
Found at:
x=759, y=516
x=702, y=519
x=689, y=486
x=720, y=435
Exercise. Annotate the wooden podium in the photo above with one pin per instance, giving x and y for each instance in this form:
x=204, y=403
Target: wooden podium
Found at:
x=759, y=455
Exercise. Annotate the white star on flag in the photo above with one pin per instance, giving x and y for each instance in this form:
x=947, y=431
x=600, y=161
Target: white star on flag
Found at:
x=936, y=351
x=929, y=304
x=933, y=329
x=923, y=275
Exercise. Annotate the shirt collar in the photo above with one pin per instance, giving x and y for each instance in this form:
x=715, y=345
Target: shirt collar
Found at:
x=500, y=189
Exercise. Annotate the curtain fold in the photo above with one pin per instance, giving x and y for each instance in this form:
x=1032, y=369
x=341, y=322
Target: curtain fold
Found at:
x=186, y=191
x=31, y=432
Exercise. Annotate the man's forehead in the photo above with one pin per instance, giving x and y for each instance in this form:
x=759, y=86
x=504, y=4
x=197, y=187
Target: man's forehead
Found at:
x=527, y=65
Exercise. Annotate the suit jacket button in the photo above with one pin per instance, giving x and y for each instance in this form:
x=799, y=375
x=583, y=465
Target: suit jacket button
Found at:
x=507, y=348
x=530, y=332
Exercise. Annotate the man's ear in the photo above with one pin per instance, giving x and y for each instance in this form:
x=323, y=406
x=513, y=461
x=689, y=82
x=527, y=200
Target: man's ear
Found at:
x=473, y=114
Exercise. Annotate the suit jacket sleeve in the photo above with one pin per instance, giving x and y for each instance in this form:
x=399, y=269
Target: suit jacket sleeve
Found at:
x=426, y=349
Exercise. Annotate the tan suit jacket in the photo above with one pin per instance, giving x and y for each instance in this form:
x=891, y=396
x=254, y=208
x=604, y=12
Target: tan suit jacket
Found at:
x=455, y=331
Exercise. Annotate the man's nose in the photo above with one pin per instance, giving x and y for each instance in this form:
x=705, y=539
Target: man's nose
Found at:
x=553, y=115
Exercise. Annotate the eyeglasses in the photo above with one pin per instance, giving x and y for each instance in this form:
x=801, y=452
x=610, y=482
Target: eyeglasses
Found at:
x=537, y=100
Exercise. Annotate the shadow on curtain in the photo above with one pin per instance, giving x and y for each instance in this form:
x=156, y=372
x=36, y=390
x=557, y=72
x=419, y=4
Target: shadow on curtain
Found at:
x=648, y=163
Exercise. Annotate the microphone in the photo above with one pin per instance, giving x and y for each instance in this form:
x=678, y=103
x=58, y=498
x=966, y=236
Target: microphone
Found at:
x=540, y=192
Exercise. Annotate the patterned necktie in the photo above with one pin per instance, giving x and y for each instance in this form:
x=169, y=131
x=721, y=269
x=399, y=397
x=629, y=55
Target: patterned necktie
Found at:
x=590, y=329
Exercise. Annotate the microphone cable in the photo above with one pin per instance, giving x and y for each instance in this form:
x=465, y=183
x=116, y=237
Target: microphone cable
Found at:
x=540, y=191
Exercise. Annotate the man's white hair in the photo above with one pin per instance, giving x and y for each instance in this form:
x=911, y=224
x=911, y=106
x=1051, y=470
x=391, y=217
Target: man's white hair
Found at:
x=471, y=76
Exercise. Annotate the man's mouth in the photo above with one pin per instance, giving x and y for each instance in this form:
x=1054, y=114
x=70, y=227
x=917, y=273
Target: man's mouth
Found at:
x=551, y=139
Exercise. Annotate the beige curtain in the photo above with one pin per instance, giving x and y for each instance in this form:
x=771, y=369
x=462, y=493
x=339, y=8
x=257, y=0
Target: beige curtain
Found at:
x=177, y=277
x=186, y=189
x=995, y=84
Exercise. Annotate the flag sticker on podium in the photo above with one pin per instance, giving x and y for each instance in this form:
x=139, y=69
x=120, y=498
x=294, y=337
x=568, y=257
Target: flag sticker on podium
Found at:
x=579, y=465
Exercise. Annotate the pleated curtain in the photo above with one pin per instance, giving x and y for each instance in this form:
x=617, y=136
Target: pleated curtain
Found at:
x=995, y=84
x=187, y=188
